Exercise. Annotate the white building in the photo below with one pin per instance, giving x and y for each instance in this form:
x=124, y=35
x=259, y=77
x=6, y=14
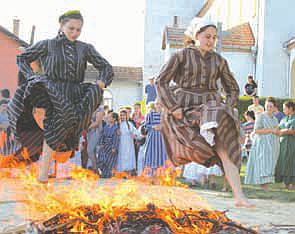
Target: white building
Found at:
x=126, y=88
x=261, y=41
x=236, y=48
x=158, y=14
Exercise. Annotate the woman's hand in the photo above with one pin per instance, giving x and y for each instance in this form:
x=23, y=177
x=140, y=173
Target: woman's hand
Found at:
x=276, y=131
x=101, y=84
x=157, y=127
x=178, y=114
x=284, y=131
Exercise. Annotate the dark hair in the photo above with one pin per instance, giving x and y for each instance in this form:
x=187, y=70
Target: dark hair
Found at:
x=5, y=101
x=255, y=96
x=73, y=14
x=251, y=77
x=137, y=104
x=125, y=112
x=290, y=104
x=5, y=93
x=272, y=100
x=106, y=107
x=115, y=116
x=250, y=114
x=205, y=27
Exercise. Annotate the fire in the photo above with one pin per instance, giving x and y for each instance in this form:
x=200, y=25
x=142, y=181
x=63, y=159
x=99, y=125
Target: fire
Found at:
x=87, y=204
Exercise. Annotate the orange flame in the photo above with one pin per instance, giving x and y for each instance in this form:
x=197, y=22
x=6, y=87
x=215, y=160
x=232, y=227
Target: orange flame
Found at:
x=113, y=198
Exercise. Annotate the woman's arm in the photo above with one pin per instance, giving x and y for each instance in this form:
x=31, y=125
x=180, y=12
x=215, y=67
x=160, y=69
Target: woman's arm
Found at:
x=116, y=141
x=254, y=92
x=98, y=120
x=101, y=64
x=167, y=73
x=287, y=132
x=263, y=131
x=30, y=55
x=260, y=127
x=229, y=84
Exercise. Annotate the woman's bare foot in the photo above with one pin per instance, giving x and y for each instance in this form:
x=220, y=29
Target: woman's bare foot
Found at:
x=243, y=202
x=265, y=187
x=224, y=189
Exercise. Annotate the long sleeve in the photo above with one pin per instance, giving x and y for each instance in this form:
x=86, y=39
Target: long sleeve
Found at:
x=102, y=65
x=116, y=139
x=101, y=139
x=229, y=84
x=167, y=73
x=30, y=55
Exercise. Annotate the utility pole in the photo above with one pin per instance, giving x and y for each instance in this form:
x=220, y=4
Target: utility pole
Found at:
x=32, y=35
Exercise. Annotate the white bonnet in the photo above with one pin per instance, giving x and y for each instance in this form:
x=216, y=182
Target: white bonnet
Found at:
x=196, y=25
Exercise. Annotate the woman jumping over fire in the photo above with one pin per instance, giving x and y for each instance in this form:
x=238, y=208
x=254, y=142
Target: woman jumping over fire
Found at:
x=51, y=109
x=197, y=125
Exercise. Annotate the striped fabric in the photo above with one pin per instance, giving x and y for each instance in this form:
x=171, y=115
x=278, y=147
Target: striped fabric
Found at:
x=69, y=103
x=155, y=154
x=196, y=93
x=248, y=128
x=110, y=140
x=264, y=153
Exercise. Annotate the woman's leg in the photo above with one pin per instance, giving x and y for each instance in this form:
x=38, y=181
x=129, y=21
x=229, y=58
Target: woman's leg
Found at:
x=45, y=160
x=233, y=177
x=224, y=186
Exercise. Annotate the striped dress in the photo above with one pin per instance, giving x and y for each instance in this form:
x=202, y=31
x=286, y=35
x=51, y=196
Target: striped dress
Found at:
x=248, y=128
x=264, y=153
x=7, y=144
x=206, y=117
x=155, y=153
x=106, y=159
x=58, y=88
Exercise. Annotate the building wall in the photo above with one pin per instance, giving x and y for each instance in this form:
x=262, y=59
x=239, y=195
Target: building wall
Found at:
x=125, y=93
x=275, y=27
x=8, y=69
x=158, y=14
x=241, y=65
x=233, y=12
x=291, y=83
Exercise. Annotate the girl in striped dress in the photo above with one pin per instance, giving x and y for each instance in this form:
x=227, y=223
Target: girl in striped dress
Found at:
x=265, y=148
x=7, y=143
x=51, y=109
x=109, y=146
x=248, y=128
x=155, y=154
x=197, y=124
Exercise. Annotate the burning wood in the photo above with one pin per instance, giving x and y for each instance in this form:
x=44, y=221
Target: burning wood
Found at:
x=150, y=220
x=83, y=205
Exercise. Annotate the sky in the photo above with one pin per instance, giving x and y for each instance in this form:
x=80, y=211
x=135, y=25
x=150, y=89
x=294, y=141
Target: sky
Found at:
x=114, y=27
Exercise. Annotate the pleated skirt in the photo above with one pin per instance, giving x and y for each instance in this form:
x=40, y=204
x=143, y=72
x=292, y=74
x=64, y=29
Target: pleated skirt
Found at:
x=68, y=105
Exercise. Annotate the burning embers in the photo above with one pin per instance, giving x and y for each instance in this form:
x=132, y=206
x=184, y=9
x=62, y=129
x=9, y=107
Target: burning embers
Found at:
x=150, y=220
x=87, y=204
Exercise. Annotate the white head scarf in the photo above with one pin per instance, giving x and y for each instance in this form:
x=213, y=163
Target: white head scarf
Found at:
x=196, y=25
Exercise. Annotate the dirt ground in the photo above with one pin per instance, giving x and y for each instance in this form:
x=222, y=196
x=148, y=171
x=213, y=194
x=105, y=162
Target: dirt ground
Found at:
x=268, y=217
